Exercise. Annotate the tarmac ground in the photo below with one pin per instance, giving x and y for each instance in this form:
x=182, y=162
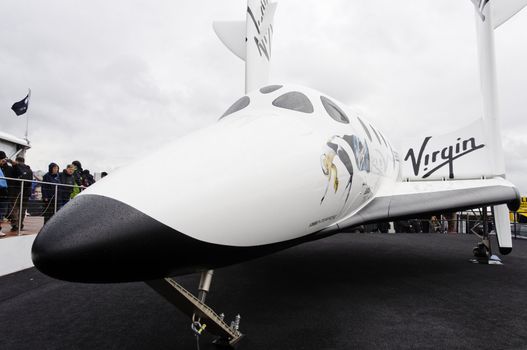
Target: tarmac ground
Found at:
x=348, y=291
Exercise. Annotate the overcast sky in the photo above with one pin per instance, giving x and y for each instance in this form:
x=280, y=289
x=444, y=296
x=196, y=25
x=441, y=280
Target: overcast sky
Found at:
x=113, y=80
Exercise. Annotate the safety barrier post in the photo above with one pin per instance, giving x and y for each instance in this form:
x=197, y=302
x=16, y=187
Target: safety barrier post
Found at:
x=56, y=193
x=20, y=207
x=515, y=224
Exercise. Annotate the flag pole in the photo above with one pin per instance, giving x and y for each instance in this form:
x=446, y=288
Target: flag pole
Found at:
x=27, y=116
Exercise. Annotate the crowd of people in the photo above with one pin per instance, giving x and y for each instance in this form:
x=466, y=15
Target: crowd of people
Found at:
x=58, y=187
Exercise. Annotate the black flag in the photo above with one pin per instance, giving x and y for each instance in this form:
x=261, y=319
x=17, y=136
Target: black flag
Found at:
x=20, y=107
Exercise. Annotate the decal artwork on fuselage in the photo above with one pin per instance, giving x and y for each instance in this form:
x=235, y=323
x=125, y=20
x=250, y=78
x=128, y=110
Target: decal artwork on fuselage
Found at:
x=361, y=152
x=338, y=147
x=428, y=162
x=480, y=5
x=378, y=162
x=263, y=40
x=321, y=221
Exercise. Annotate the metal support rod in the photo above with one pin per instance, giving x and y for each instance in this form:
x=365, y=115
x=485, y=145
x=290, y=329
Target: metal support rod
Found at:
x=56, y=193
x=190, y=305
x=20, y=211
x=27, y=128
x=27, y=116
x=204, y=284
x=515, y=224
x=486, y=239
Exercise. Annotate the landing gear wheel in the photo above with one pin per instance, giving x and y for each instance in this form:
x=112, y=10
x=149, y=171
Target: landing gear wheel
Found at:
x=481, y=251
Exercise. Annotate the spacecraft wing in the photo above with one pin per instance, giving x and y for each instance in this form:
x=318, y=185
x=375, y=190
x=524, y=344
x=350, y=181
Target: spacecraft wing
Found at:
x=411, y=199
x=232, y=35
x=503, y=10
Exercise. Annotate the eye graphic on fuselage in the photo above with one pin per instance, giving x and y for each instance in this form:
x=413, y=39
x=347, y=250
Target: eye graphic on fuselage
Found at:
x=330, y=170
x=340, y=147
x=336, y=148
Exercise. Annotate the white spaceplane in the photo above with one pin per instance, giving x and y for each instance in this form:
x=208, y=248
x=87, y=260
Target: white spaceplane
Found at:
x=285, y=164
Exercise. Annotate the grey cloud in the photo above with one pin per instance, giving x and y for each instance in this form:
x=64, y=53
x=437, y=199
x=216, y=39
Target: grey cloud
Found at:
x=113, y=80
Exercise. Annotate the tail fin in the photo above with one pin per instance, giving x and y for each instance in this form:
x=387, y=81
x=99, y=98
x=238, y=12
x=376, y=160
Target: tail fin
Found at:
x=251, y=41
x=490, y=14
x=434, y=157
x=475, y=151
x=500, y=11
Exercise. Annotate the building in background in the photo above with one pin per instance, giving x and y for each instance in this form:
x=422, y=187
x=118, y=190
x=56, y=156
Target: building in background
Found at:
x=521, y=215
x=13, y=146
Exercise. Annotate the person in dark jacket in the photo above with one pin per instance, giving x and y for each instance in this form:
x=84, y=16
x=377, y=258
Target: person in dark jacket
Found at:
x=3, y=186
x=5, y=171
x=49, y=191
x=77, y=172
x=66, y=178
x=87, y=178
x=21, y=196
x=13, y=186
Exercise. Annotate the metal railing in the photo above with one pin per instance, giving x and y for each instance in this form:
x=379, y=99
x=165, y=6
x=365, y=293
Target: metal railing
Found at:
x=461, y=224
x=15, y=201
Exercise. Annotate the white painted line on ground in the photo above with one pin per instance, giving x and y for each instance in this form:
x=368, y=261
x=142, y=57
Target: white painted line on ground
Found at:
x=15, y=254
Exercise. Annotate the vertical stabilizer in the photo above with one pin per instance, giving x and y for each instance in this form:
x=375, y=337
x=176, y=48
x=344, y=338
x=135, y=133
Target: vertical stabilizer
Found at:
x=490, y=14
x=260, y=14
x=487, y=68
x=251, y=41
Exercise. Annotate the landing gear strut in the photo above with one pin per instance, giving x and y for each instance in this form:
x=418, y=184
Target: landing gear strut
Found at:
x=202, y=316
x=483, y=251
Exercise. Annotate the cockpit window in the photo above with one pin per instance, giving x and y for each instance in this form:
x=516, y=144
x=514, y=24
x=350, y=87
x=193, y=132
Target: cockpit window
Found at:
x=270, y=88
x=237, y=106
x=295, y=101
x=334, y=111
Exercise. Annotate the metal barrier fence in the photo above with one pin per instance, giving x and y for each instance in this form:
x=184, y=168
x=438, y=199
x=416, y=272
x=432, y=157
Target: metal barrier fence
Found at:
x=20, y=193
x=466, y=222
x=17, y=199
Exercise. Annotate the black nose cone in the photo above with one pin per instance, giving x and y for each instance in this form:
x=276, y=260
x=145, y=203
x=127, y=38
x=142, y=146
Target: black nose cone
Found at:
x=99, y=239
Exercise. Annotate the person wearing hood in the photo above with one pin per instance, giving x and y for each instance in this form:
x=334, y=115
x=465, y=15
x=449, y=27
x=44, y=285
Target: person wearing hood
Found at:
x=49, y=190
x=87, y=178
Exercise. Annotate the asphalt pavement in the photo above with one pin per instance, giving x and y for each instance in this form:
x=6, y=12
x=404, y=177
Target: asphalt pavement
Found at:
x=349, y=291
